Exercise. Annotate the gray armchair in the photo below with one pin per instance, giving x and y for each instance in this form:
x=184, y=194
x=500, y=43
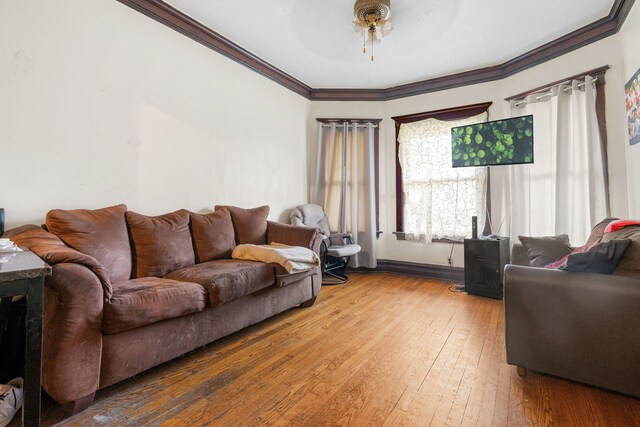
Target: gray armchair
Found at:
x=336, y=249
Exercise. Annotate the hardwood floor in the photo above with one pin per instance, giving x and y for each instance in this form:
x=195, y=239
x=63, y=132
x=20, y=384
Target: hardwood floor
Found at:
x=383, y=350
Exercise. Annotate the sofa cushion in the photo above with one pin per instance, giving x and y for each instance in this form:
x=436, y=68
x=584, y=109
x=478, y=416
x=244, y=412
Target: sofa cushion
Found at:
x=250, y=224
x=99, y=233
x=547, y=249
x=160, y=243
x=227, y=280
x=630, y=263
x=213, y=235
x=146, y=300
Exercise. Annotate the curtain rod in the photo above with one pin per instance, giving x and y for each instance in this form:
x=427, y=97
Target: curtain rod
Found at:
x=596, y=73
x=328, y=125
x=344, y=119
x=549, y=92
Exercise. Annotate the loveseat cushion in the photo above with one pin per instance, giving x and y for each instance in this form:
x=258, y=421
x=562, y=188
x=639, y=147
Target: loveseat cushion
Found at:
x=250, y=224
x=226, y=280
x=213, y=235
x=99, y=233
x=160, y=243
x=146, y=300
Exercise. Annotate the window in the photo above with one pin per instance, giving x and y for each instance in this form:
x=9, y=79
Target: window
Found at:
x=435, y=201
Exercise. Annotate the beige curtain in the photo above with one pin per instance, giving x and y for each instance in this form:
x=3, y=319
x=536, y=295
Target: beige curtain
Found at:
x=343, y=183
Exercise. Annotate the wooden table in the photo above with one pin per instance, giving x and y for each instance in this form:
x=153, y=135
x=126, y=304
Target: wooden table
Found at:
x=24, y=274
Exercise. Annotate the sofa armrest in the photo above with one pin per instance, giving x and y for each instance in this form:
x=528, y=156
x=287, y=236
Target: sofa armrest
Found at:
x=294, y=235
x=580, y=326
x=72, y=335
x=54, y=251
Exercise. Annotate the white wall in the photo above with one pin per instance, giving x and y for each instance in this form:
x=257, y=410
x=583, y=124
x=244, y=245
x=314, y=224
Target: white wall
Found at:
x=101, y=105
x=604, y=52
x=630, y=45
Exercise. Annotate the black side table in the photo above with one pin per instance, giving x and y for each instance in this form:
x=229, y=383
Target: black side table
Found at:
x=484, y=261
x=24, y=274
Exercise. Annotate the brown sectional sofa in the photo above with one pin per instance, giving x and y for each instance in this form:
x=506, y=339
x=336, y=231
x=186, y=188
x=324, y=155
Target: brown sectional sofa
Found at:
x=580, y=326
x=129, y=292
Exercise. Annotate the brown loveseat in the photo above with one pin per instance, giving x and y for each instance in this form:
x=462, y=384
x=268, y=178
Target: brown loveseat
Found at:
x=129, y=291
x=580, y=326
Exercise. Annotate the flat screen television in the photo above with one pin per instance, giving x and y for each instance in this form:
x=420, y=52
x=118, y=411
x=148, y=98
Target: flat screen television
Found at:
x=499, y=142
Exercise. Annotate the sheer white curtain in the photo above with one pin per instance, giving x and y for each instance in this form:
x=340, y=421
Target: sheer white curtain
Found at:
x=343, y=183
x=563, y=191
x=439, y=200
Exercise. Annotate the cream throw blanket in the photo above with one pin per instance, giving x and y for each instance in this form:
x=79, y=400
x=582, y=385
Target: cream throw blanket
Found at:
x=292, y=258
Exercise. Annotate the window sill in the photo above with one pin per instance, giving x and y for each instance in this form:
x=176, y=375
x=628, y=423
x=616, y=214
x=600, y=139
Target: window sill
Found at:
x=400, y=235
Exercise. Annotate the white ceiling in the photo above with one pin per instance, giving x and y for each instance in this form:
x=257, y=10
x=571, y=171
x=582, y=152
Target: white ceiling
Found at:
x=314, y=40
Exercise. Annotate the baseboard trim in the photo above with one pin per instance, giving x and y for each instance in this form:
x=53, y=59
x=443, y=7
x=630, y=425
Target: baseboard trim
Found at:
x=454, y=274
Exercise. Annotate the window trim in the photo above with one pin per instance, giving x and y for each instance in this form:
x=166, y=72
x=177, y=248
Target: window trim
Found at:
x=446, y=114
x=376, y=158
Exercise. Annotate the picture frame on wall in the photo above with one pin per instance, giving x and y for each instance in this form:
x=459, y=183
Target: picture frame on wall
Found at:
x=632, y=95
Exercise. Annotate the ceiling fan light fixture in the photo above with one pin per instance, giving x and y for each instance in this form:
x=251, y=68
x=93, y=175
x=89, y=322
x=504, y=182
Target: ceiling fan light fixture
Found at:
x=373, y=20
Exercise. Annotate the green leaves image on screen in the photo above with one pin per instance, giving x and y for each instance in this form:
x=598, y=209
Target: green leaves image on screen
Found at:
x=500, y=142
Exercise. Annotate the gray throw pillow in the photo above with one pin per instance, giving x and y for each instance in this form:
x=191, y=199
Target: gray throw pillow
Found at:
x=547, y=249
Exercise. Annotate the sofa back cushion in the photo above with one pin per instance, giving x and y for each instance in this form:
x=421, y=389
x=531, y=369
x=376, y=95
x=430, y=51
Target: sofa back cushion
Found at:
x=630, y=264
x=213, y=235
x=99, y=233
x=161, y=244
x=250, y=225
